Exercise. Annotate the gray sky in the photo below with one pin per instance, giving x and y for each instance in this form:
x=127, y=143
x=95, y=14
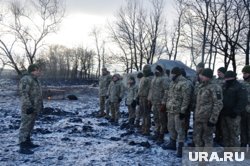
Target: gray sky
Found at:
x=83, y=15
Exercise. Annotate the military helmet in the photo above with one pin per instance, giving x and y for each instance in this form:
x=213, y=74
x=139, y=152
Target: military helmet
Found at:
x=176, y=71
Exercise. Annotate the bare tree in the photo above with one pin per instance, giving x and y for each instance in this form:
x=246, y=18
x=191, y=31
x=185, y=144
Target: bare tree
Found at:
x=29, y=25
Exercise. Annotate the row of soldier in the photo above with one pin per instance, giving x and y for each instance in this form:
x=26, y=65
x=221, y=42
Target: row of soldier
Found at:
x=219, y=106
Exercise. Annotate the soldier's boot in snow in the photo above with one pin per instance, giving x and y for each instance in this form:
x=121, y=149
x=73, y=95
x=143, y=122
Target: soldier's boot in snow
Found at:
x=131, y=123
x=30, y=143
x=160, y=139
x=155, y=137
x=179, y=149
x=25, y=149
x=171, y=145
x=137, y=123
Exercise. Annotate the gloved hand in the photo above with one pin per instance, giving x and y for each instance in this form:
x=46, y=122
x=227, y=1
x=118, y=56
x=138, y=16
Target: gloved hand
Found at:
x=209, y=124
x=182, y=116
x=133, y=104
x=233, y=115
x=120, y=99
x=30, y=110
x=107, y=97
x=163, y=108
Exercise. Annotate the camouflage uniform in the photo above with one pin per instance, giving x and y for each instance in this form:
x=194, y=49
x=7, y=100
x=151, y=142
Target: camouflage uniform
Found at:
x=245, y=118
x=104, y=82
x=159, y=85
x=234, y=101
x=31, y=99
x=178, y=100
x=219, y=127
x=131, y=102
x=143, y=91
x=115, y=93
x=208, y=107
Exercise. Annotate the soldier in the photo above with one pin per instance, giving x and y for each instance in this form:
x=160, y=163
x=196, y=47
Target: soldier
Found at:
x=138, y=111
x=159, y=85
x=31, y=105
x=188, y=112
x=143, y=92
x=220, y=80
x=131, y=100
x=245, y=115
x=208, y=106
x=234, y=101
x=115, y=95
x=104, y=82
x=177, y=103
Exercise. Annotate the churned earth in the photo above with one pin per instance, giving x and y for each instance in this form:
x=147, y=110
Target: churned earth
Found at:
x=69, y=133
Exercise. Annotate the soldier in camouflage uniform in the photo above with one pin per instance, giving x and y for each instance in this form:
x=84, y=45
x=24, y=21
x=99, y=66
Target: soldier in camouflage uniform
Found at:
x=178, y=100
x=220, y=80
x=131, y=100
x=208, y=106
x=234, y=102
x=138, y=110
x=115, y=94
x=104, y=82
x=159, y=85
x=143, y=92
x=245, y=115
x=31, y=105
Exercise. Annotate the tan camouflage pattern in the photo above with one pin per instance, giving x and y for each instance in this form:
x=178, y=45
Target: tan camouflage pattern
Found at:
x=115, y=91
x=208, y=102
x=31, y=97
x=179, y=96
x=231, y=131
x=104, y=82
x=131, y=94
x=203, y=135
x=176, y=127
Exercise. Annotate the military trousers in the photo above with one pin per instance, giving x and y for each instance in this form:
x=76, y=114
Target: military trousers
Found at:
x=102, y=104
x=131, y=112
x=176, y=127
x=160, y=119
x=115, y=110
x=245, y=128
x=26, y=126
x=146, y=119
x=203, y=134
x=231, y=131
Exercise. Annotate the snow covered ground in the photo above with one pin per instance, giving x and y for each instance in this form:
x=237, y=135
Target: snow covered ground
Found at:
x=69, y=133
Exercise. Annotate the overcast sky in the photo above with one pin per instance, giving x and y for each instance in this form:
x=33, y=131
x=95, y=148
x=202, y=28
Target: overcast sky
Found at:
x=82, y=15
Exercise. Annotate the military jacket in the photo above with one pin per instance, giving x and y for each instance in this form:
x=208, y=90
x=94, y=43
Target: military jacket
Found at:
x=104, y=82
x=208, y=102
x=158, y=86
x=247, y=86
x=115, y=91
x=144, y=86
x=132, y=94
x=30, y=93
x=179, y=95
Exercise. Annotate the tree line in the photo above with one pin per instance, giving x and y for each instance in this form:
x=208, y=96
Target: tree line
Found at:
x=206, y=31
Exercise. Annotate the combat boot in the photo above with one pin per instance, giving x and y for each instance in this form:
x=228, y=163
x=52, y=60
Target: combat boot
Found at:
x=137, y=123
x=30, y=144
x=171, y=145
x=155, y=137
x=160, y=139
x=179, y=149
x=24, y=149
